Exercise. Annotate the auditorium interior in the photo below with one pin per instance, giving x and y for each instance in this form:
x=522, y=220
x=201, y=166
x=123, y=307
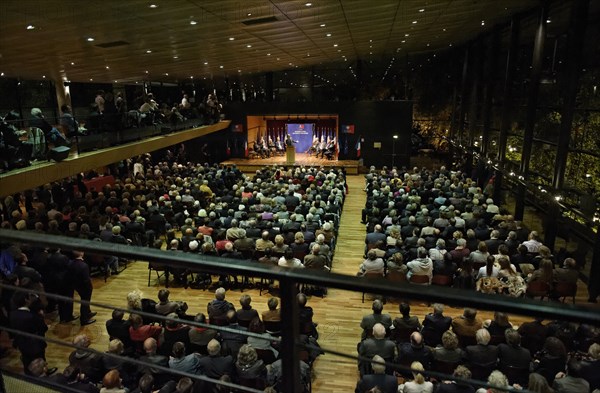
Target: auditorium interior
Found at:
x=292, y=196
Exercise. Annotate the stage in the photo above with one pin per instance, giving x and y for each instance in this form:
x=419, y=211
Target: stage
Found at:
x=302, y=159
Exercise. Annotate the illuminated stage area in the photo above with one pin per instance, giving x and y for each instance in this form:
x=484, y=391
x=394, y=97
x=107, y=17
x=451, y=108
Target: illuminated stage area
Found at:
x=302, y=159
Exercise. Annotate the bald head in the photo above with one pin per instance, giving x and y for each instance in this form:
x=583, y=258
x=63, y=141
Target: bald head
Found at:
x=213, y=348
x=416, y=339
x=379, y=331
x=150, y=345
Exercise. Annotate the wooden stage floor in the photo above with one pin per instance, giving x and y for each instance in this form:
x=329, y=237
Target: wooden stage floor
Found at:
x=302, y=159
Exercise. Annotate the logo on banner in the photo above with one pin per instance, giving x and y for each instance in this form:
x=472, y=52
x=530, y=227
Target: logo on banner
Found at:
x=348, y=129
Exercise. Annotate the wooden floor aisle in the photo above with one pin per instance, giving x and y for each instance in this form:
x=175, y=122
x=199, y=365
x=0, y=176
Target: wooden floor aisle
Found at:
x=338, y=314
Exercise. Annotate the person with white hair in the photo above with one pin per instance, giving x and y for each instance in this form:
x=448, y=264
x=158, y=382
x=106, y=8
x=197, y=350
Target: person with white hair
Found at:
x=215, y=365
x=386, y=383
x=376, y=345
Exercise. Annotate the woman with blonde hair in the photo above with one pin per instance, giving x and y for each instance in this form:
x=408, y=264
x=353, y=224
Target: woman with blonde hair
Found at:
x=418, y=384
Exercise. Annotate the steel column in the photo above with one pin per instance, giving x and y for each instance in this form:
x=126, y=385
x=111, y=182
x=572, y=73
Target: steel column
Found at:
x=532, y=100
x=290, y=330
x=463, y=95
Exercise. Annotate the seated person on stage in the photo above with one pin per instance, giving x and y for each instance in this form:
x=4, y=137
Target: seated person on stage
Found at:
x=315, y=145
x=279, y=145
x=329, y=149
x=272, y=147
x=321, y=148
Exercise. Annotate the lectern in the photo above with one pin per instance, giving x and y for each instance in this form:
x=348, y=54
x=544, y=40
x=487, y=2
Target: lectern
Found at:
x=290, y=155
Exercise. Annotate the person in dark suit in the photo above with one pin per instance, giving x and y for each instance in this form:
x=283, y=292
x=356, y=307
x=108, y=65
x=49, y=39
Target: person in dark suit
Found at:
x=377, y=345
x=80, y=276
x=457, y=387
x=533, y=334
x=368, y=321
x=406, y=321
x=512, y=353
x=386, y=383
x=151, y=358
x=482, y=354
x=591, y=366
x=90, y=363
x=214, y=365
x=434, y=325
x=415, y=351
x=571, y=382
x=174, y=332
x=24, y=320
x=119, y=328
x=59, y=281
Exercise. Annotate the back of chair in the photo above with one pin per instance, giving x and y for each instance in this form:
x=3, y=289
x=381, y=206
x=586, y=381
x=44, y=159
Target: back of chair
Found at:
x=516, y=375
x=273, y=326
x=402, y=335
x=442, y=280
x=538, y=289
x=566, y=289
x=266, y=355
x=444, y=367
x=466, y=340
x=419, y=279
x=395, y=276
x=372, y=275
x=481, y=372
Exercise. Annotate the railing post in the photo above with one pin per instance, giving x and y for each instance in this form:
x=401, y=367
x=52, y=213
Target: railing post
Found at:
x=290, y=327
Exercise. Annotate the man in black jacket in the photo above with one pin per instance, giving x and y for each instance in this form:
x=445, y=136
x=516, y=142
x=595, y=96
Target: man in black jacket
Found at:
x=386, y=383
x=214, y=365
x=24, y=320
x=80, y=276
x=434, y=325
x=59, y=282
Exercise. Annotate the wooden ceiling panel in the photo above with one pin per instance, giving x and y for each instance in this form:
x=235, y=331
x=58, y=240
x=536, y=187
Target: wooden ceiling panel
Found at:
x=198, y=31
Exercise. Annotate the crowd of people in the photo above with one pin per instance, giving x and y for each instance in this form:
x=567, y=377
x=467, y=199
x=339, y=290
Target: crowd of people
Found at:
x=541, y=357
x=440, y=227
x=276, y=217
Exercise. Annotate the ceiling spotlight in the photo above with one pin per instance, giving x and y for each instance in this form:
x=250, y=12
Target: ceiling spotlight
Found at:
x=148, y=51
x=328, y=34
x=90, y=39
x=153, y=6
x=116, y=81
x=248, y=46
x=231, y=38
x=482, y=23
x=414, y=22
x=290, y=63
x=193, y=22
x=44, y=76
x=268, y=54
x=107, y=67
x=176, y=57
x=547, y=21
x=422, y=10
x=191, y=77
x=166, y=74
x=406, y=35
x=91, y=79
x=403, y=41
x=322, y=25
x=146, y=71
x=239, y=70
x=1, y=73
x=30, y=27
x=220, y=66
x=72, y=63
x=308, y=4
x=335, y=45
x=249, y=14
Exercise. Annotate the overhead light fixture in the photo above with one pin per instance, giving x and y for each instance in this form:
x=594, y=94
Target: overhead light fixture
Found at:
x=107, y=67
x=395, y=136
x=335, y=45
x=268, y=54
x=406, y=35
x=72, y=63
x=322, y=25
x=248, y=46
x=231, y=38
x=414, y=22
x=30, y=27
x=206, y=63
x=193, y=22
x=148, y=51
x=1, y=73
x=153, y=6
x=422, y=10
x=90, y=39
x=220, y=66
x=191, y=77
x=176, y=57
x=547, y=21
x=91, y=79
x=403, y=41
x=249, y=14
x=44, y=76
x=239, y=70
x=328, y=34
x=482, y=23
x=308, y=4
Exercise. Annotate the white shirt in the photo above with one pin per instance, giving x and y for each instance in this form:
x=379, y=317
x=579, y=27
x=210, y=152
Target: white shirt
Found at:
x=294, y=263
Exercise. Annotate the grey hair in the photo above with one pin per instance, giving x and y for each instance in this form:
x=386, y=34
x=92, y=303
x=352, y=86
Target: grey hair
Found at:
x=36, y=112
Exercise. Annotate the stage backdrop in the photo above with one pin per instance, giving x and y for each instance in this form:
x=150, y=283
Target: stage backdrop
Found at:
x=302, y=134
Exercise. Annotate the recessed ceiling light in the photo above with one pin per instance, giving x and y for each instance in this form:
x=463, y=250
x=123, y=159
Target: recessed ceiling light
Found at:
x=176, y=57
x=427, y=44
x=335, y=45
x=370, y=53
x=193, y=22
x=248, y=46
x=153, y=6
x=414, y=22
x=450, y=44
x=249, y=14
x=148, y=51
x=422, y=10
x=268, y=54
x=290, y=63
x=482, y=23
x=72, y=63
x=220, y=66
x=308, y=4
x=116, y=81
x=166, y=73
x=107, y=67
x=339, y=50
x=403, y=41
x=231, y=38
x=322, y=25
x=91, y=79
x=406, y=35
x=191, y=77
x=146, y=71
x=278, y=59
x=30, y=27
x=328, y=34
x=90, y=39
x=547, y=21
x=44, y=76
x=206, y=63
x=1, y=73
x=239, y=70
x=443, y=29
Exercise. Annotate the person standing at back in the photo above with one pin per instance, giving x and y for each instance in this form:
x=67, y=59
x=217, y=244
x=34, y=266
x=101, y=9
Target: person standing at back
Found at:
x=80, y=276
